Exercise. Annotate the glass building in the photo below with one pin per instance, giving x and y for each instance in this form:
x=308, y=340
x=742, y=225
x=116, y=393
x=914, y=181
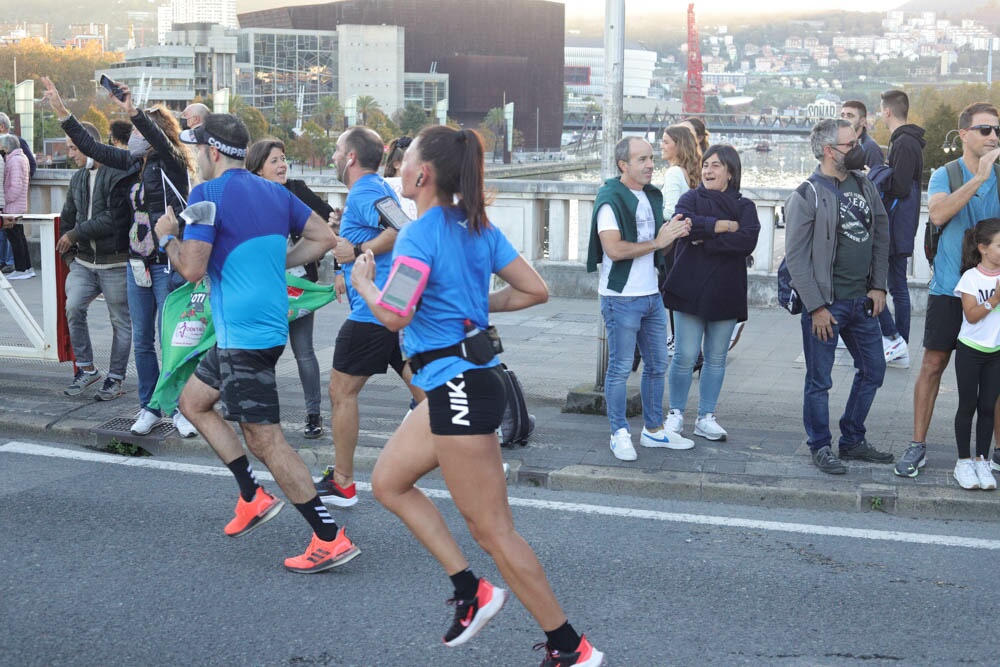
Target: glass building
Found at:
x=275, y=64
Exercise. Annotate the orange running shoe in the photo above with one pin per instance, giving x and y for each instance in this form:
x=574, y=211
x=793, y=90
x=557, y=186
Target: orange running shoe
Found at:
x=322, y=555
x=249, y=515
x=584, y=656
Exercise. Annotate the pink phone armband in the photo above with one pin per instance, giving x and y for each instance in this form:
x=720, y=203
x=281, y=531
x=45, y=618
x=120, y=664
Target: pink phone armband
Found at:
x=405, y=286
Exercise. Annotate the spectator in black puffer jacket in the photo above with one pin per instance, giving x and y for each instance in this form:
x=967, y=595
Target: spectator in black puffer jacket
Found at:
x=93, y=241
x=162, y=160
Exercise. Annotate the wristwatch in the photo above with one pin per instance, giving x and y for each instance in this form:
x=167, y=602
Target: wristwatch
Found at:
x=987, y=305
x=164, y=240
x=357, y=250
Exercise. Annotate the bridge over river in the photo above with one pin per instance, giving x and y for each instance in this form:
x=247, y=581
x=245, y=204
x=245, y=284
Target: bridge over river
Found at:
x=724, y=123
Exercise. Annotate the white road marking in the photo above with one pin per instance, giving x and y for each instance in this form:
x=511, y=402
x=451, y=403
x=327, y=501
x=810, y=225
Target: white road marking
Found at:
x=15, y=447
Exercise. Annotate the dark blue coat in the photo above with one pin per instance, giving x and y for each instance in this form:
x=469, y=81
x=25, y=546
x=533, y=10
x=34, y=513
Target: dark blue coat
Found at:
x=709, y=275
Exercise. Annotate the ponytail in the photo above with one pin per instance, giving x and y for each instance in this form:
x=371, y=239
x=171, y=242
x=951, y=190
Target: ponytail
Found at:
x=457, y=157
x=981, y=234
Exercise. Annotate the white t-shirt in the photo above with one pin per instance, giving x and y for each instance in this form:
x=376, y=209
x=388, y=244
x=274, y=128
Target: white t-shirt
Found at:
x=674, y=185
x=984, y=335
x=642, y=279
x=408, y=205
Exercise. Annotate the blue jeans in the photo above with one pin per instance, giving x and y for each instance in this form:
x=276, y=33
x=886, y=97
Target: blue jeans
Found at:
x=632, y=320
x=863, y=338
x=145, y=305
x=900, y=300
x=689, y=330
x=300, y=337
x=82, y=287
x=6, y=254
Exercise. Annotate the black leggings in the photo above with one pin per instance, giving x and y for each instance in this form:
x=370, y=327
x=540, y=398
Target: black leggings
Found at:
x=978, y=376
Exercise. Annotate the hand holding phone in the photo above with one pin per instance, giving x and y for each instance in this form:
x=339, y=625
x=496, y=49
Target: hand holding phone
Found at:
x=113, y=88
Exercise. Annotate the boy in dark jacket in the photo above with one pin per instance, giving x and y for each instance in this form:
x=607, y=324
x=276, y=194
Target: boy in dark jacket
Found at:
x=94, y=243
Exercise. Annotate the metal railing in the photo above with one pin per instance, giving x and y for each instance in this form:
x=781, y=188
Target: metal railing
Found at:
x=42, y=338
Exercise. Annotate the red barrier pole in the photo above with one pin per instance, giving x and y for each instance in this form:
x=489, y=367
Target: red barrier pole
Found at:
x=63, y=345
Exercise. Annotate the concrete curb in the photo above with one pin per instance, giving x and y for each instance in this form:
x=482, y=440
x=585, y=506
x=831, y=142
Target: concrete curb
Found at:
x=842, y=495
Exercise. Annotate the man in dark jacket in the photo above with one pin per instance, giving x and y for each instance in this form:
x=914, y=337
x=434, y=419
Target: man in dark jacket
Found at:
x=837, y=246
x=856, y=113
x=94, y=241
x=902, y=199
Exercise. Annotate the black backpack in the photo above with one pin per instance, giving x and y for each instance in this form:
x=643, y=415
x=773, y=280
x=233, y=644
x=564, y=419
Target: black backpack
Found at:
x=517, y=425
x=932, y=232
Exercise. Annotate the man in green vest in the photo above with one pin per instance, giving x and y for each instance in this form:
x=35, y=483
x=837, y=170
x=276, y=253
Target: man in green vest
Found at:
x=627, y=240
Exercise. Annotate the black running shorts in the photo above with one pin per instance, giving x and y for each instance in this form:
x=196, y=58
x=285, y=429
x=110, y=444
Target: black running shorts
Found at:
x=365, y=349
x=942, y=322
x=471, y=403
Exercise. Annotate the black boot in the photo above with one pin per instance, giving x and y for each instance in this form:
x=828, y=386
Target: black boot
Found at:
x=314, y=427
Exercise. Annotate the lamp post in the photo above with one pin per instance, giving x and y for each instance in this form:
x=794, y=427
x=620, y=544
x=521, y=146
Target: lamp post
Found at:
x=948, y=145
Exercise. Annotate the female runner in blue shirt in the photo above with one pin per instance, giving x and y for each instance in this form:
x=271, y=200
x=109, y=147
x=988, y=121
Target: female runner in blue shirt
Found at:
x=455, y=428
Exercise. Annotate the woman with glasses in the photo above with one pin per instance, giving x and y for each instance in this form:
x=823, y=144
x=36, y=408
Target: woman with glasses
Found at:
x=164, y=169
x=266, y=158
x=707, y=287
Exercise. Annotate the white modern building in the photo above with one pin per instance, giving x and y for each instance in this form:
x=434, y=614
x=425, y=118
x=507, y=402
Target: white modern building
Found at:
x=222, y=12
x=584, y=71
x=370, y=61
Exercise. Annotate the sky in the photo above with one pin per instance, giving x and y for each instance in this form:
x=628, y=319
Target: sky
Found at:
x=596, y=7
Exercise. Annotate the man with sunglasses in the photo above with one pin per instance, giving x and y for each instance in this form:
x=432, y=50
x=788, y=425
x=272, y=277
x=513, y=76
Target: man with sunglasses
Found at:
x=902, y=199
x=954, y=212
x=837, y=251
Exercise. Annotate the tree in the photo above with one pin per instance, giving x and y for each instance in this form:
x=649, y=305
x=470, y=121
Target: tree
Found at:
x=311, y=147
x=328, y=114
x=411, y=119
x=251, y=116
x=936, y=128
x=99, y=120
x=378, y=121
x=285, y=115
x=366, y=105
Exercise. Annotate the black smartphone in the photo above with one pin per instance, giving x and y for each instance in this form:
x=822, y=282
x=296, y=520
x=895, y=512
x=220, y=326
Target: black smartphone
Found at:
x=112, y=87
x=869, y=307
x=391, y=215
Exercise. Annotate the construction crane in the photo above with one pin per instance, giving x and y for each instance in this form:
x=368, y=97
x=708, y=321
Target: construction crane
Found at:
x=694, y=96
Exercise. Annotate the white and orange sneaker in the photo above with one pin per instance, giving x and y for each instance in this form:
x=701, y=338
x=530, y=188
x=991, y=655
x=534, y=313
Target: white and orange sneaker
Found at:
x=249, y=515
x=322, y=555
x=472, y=615
x=585, y=655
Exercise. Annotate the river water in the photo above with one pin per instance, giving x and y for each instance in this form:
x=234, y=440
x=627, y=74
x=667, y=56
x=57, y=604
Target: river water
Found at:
x=788, y=162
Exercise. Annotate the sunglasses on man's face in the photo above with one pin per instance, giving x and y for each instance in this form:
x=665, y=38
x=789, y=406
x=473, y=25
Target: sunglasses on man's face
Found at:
x=985, y=130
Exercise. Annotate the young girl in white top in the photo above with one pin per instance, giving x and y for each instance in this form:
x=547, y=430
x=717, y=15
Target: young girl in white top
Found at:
x=977, y=355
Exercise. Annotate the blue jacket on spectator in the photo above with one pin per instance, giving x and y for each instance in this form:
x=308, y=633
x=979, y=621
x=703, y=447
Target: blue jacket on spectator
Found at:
x=709, y=275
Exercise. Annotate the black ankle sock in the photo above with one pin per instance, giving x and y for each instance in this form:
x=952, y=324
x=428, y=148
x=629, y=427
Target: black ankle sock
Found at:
x=319, y=518
x=244, y=477
x=563, y=639
x=466, y=584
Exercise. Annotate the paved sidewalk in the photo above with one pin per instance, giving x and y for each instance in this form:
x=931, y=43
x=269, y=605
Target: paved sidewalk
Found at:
x=553, y=348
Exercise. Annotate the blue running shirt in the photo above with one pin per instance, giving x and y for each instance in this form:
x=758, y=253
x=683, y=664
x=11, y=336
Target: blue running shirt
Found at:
x=253, y=219
x=360, y=223
x=462, y=264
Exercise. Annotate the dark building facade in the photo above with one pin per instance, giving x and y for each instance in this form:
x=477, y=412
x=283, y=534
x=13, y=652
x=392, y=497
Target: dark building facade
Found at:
x=492, y=51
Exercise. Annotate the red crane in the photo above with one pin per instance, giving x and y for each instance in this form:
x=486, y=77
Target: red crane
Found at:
x=694, y=97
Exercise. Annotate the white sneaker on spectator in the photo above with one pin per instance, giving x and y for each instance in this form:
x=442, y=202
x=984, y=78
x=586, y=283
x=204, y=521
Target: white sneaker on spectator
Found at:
x=900, y=362
x=707, y=427
x=894, y=348
x=664, y=438
x=621, y=445
x=987, y=481
x=21, y=275
x=184, y=426
x=144, y=422
x=674, y=421
x=965, y=474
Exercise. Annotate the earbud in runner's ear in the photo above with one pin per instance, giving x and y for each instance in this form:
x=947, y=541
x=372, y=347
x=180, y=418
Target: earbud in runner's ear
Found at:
x=420, y=179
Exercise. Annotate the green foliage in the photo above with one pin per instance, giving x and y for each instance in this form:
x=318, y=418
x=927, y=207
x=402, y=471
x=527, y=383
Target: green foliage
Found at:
x=411, y=119
x=256, y=124
x=285, y=115
x=312, y=147
x=936, y=128
x=116, y=446
x=366, y=106
x=328, y=114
